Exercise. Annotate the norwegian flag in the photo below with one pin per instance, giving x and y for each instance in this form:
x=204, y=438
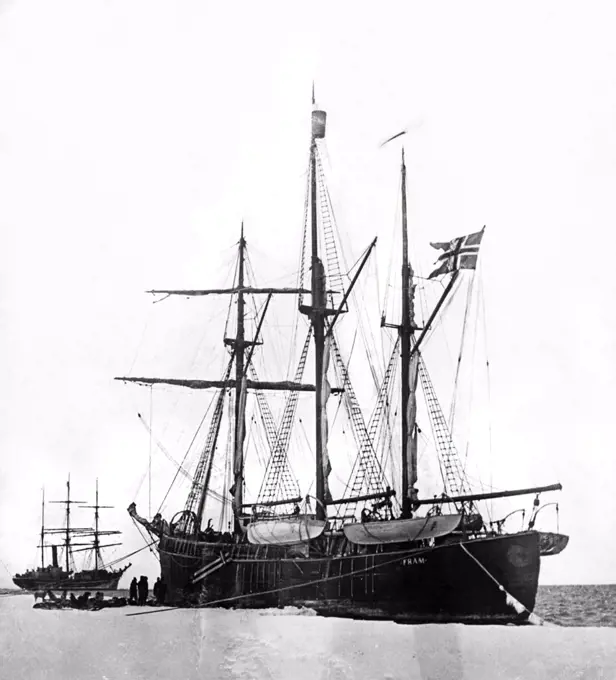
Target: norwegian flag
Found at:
x=461, y=253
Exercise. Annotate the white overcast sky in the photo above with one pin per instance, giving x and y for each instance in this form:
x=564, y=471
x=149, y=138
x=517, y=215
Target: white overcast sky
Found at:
x=135, y=136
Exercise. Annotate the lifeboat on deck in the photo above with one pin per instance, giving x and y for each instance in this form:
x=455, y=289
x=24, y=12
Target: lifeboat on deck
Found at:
x=401, y=530
x=285, y=530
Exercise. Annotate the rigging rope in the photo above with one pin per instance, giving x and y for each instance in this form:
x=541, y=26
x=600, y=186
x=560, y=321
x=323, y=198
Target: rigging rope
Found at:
x=452, y=409
x=150, y=455
x=361, y=325
x=181, y=466
x=121, y=559
x=332, y=237
x=367, y=473
x=485, y=342
x=454, y=479
x=386, y=430
x=278, y=480
x=228, y=456
x=149, y=545
x=302, y=256
x=394, y=246
x=511, y=601
x=231, y=297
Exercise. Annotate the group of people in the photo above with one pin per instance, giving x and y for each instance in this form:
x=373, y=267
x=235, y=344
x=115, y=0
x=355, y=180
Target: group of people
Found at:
x=138, y=594
x=138, y=591
x=49, y=600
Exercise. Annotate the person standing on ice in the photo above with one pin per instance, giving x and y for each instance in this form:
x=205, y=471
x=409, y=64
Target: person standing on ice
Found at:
x=142, y=586
x=132, y=591
x=162, y=591
x=156, y=589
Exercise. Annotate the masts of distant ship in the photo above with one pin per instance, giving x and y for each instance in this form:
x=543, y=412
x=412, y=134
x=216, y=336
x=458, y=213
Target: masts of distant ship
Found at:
x=409, y=369
x=68, y=519
x=43, y=531
x=96, y=540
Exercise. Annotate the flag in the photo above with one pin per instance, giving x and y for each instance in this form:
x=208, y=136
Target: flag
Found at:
x=461, y=253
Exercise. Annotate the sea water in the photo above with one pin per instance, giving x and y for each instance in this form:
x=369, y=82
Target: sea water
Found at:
x=578, y=605
x=295, y=644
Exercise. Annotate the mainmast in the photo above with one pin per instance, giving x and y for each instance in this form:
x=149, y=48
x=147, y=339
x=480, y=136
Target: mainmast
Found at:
x=318, y=311
x=409, y=368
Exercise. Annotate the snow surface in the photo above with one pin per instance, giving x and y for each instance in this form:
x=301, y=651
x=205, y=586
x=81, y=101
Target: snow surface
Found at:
x=288, y=643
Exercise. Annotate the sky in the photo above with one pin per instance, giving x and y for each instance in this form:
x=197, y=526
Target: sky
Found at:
x=136, y=136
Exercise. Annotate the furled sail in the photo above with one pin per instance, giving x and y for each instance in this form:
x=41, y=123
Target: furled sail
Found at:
x=284, y=385
x=325, y=462
x=238, y=463
x=412, y=425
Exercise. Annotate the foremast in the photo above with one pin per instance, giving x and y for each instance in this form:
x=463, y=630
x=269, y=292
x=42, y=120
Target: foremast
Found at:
x=240, y=392
x=239, y=383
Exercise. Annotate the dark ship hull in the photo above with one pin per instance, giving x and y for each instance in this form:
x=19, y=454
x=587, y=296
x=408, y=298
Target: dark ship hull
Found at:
x=79, y=581
x=457, y=581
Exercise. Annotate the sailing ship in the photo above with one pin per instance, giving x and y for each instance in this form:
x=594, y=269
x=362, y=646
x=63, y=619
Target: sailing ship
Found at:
x=379, y=551
x=66, y=577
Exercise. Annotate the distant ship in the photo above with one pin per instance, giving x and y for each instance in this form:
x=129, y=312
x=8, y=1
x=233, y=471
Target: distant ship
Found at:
x=374, y=550
x=66, y=577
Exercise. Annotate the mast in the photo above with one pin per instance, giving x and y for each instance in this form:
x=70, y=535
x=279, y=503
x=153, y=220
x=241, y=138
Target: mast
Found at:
x=68, y=521
x=96, y=545
x=318, y=311
x=96, y=541
x=67, y=530
x=240, y=388
x=43, y=531
x=409, y=368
